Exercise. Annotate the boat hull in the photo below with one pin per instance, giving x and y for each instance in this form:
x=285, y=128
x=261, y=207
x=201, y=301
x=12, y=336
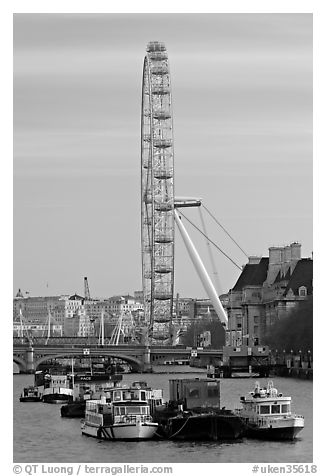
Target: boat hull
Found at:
x=57, y=398
x=204, y=427
x=141, y=431
x=279, y=429
x=57, y=395
x=73, y=410
x=30, y=399
x=281, y=433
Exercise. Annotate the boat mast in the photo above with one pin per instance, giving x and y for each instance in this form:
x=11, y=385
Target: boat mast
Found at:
x=119, y=328
x=72, y=373
x=202, y=273
x=21, y=325
x=49, y=328
x=102, y=327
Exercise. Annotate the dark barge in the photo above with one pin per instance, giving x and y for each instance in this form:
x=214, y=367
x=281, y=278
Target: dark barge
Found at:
x=194, y=413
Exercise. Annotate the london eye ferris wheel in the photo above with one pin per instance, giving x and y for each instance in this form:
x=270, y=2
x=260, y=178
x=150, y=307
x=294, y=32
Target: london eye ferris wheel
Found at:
x=157, y=194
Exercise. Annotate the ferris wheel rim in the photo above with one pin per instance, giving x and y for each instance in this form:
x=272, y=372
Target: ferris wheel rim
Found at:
x=157, y=227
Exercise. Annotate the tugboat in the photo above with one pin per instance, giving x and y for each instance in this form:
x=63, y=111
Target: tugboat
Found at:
x=194, y=413
x=30, y=394
x=122, y=414
x=57, y=389
x=266, y=414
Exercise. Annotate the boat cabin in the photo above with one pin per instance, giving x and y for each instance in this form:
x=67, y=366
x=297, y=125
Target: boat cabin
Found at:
x=266, y=401
x=98, y=412
x=57, y=381
x=194, y=393
x=268, y=407
x=30, y=392
x=123, y=404
x=128, y=395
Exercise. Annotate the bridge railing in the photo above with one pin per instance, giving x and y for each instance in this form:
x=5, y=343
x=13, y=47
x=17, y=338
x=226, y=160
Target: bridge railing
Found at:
x=92, y=343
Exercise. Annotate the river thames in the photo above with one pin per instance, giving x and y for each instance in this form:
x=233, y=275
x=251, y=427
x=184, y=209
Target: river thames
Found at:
x=41, y=435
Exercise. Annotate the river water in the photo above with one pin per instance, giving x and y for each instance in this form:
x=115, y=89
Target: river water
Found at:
x=42, y=436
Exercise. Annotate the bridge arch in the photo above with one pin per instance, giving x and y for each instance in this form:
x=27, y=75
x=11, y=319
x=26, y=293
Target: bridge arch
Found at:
x=22, y=364
x=135, y=363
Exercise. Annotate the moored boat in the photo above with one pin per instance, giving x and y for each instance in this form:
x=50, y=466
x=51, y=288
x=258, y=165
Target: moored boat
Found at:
x=88, y=387
x=267, y=414
x=57, y=389
x=122, y=414
x=194, y=413
x=31, y=394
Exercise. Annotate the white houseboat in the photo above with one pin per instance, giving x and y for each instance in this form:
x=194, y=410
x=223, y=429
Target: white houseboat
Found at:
x=267, y=414
x=122, y=414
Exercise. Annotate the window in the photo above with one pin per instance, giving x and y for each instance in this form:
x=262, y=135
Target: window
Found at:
x=302, y=291
x=275, y=408
x=193, y=392
x=117, y=396
x=286, y=408
x=133, y=410
x=264, y=409
x=212, y=392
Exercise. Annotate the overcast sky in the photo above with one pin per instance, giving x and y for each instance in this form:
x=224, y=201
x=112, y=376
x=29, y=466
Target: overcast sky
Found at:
x=242, y=105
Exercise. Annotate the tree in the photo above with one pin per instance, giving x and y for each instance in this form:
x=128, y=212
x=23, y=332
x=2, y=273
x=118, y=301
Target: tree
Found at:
x=295, y=331
x=205, y=324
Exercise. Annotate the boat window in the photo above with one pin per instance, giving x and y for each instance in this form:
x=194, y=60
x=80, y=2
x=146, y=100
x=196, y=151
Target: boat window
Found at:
x=264, y=409
x=212, y=392
x=127, y=395
x=122, y=410
x=193, y=392
x=275, y=408
x=133, y=410
x=143, y=396
x=117, y=396
x=286, y=408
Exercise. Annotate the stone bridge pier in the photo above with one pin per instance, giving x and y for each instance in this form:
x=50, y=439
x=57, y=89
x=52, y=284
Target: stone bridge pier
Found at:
x=25, y=360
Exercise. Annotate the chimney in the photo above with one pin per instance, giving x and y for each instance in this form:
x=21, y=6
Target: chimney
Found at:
x=254, y=259
x=295, y=254
x=286, y=259
x=276, y=254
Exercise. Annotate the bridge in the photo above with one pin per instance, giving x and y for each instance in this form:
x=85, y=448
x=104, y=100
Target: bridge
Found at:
x=141, y=358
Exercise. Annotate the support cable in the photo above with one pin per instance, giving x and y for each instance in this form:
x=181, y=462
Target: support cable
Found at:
x=216, y=221
x=214, y=244
x=217, y=281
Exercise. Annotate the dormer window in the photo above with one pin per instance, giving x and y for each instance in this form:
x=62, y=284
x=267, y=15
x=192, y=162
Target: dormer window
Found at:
x=302, y=291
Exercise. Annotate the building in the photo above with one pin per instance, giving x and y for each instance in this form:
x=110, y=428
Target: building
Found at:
x=34, y=309
x=60, y=312
x=36, y=330
x=267, y=290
